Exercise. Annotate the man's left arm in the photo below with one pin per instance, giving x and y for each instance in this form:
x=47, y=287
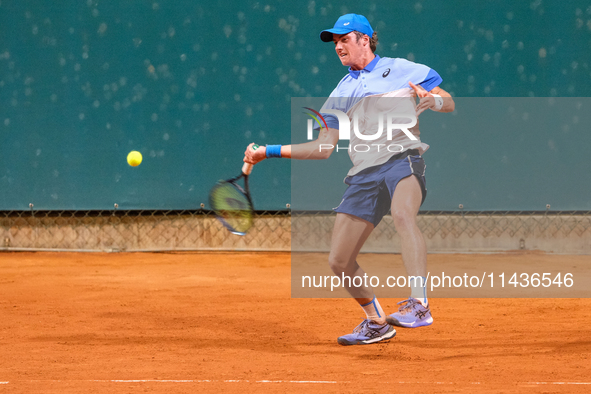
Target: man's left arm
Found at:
x=448, y=102
x=437, y=99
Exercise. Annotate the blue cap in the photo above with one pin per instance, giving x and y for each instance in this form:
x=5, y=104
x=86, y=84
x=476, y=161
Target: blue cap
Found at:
x=346, y=24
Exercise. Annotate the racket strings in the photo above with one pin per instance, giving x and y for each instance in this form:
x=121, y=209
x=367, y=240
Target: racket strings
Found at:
x=232, y=207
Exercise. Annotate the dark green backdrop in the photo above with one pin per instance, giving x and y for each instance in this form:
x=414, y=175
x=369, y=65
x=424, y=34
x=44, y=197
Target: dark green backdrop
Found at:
x=191, y=83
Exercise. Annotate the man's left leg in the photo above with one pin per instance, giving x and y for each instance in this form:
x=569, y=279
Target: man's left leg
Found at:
x=406, y=202
x=349, y=235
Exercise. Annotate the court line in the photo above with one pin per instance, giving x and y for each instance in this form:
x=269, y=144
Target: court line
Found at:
x=269, y=381
x=556, y=383
x=218, y=381
x=184, y=381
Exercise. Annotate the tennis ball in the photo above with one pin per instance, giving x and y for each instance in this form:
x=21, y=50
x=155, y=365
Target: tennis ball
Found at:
x=134, y=158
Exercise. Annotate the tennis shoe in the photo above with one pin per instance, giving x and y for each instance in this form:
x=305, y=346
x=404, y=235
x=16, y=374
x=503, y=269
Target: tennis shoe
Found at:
x=368, y=332
x=411, y=314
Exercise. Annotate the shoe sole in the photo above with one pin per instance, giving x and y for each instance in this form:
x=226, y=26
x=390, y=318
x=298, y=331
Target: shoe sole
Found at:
x=385, y=337
x=395, y=322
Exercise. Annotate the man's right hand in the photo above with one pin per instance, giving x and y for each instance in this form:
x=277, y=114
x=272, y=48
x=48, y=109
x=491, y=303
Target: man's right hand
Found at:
x=253, y=156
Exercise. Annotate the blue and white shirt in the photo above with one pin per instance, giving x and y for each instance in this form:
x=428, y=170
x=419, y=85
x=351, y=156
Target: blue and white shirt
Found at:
x=367, y=97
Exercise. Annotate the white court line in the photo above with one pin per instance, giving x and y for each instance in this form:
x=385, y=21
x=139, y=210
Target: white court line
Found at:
x=297, y=381
x=272, y=381
x=556, y=383
x=152, y=380
x=214, y=381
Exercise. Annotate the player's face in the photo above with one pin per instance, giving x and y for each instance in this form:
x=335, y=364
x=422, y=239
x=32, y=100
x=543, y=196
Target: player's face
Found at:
x=348, y=49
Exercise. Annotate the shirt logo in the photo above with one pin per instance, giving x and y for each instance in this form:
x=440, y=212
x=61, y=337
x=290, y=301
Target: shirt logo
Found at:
x=345, y=24
x=385, y=74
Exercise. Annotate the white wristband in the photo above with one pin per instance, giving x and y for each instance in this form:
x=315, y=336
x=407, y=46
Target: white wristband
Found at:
x=438, y=102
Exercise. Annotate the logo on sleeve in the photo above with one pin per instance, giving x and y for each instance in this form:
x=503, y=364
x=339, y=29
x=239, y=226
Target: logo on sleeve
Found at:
x=385, y=74
x=345, y=24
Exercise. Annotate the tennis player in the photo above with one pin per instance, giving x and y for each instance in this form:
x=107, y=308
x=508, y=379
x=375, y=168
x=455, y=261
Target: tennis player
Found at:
x=378, y=182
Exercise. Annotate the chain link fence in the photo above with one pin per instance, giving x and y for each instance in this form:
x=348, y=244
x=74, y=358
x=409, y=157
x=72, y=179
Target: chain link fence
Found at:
x=456, y=231
x=137, y=231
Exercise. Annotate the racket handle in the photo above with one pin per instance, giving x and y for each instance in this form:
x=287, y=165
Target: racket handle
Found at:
x=247, y=167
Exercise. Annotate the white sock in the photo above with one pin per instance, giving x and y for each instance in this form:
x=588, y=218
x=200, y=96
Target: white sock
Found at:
x=418, y=289
x=374, y=312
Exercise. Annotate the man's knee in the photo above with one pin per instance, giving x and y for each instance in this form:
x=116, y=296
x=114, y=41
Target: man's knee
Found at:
x=339, y=265
x=404, y=219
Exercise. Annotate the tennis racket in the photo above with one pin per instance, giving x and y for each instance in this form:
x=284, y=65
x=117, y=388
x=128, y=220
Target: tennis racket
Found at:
x=232, y=204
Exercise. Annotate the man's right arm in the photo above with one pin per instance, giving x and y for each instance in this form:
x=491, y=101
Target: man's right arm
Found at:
x=319, y=149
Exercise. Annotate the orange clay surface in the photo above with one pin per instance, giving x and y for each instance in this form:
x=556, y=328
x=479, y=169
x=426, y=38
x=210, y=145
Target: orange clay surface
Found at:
x=225, y=322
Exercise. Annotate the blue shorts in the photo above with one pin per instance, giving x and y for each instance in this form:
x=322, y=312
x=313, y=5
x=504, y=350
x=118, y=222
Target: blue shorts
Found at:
x=370, y=192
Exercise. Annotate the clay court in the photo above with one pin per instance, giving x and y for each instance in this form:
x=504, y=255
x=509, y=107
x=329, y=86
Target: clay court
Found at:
x=226, y=322
x=120, y=121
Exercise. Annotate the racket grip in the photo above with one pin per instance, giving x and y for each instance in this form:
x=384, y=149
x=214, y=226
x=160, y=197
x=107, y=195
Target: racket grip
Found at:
x=247, y=168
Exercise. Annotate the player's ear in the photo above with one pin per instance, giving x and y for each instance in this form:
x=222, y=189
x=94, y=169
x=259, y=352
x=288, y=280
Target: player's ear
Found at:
x=366, y=40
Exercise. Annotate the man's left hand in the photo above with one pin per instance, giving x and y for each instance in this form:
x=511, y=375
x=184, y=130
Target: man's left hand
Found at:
x=426, y=99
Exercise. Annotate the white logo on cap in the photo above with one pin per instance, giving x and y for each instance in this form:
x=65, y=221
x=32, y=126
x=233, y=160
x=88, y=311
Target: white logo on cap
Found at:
x=345, y=24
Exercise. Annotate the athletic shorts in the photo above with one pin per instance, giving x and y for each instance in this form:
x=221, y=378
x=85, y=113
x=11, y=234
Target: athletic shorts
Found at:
x=369, y=195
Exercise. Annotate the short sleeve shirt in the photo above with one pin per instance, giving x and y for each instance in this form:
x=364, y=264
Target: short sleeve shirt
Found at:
x=388, y=77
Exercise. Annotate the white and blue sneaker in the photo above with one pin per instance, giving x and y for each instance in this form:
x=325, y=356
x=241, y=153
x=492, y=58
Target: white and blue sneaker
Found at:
x=411, y=314
x=368, y=332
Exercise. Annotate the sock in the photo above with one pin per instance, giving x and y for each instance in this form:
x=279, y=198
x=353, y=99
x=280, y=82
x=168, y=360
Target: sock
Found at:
x=418, y=290
x=374, y=312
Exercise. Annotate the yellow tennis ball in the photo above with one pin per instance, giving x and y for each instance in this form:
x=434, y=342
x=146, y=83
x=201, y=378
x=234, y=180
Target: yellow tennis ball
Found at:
x=134, y=158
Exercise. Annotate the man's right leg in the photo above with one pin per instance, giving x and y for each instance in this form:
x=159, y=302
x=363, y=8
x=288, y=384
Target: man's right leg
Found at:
x=349, y=235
